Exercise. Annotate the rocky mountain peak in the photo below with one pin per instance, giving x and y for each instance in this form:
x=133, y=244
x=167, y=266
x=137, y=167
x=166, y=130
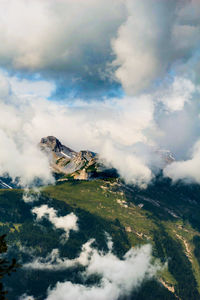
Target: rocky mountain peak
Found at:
x=51, y=143
x=67, y=161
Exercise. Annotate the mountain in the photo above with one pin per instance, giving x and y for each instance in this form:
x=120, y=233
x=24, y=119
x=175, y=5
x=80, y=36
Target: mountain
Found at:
x=85, y=164
x=164, y=215
x=79, y=165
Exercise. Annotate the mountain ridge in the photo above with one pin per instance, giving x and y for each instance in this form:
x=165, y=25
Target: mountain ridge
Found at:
x=84, y=164
x=81, y=165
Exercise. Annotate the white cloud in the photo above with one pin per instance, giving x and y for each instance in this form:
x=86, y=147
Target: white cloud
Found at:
x=130, y=166
x=118, y=276
x=59, y=38
x=18, y=155
x=126, y=132
x=187, y=170
x=121, y=122
x=79, y=40
x=67, y=223
x=154, y=36
x=54, y=262
x=20, y=158
x=177, y=93
x=157, y=36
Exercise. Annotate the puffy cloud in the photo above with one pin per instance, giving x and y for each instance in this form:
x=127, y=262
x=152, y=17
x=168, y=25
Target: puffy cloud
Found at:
x=23, y=161
x=153, y=36
x=177, y=93
x=187, y=170
x=130, y=166
x=111, y=128
x=81, y=43
x=126, y=132
x=179, y=130
x=67, y=223
x=64, y=40
x=54, y=262
x=18, y=156
x=118, y=276
x=157, y=36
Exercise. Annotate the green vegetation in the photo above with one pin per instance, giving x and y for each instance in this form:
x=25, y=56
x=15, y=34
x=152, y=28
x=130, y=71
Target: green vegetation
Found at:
x=164, y=215
x=164, y=220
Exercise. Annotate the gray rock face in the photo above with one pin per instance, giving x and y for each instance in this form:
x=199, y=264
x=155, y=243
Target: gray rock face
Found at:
x=67, y=161
x=51, y=143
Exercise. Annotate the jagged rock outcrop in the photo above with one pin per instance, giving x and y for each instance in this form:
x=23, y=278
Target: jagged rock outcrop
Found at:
x=51, y=143
x=67, y=161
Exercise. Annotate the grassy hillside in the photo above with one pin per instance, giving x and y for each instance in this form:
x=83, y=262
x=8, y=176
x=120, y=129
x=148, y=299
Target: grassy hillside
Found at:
x=164, y=215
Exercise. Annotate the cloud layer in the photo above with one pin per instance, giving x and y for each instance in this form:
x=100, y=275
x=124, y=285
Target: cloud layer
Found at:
x=126, y=132
x=150, y=47
x=110, y=128
x=157, y=36
x=65, y=40
x=93, y=42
